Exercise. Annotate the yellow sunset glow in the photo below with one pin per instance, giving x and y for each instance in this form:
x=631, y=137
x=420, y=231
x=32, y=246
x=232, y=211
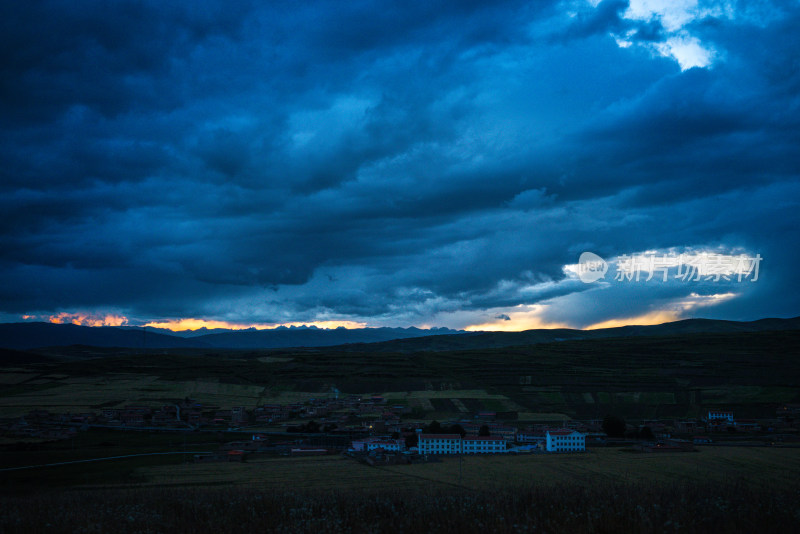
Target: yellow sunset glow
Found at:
x=526, y=319
x=656, y=317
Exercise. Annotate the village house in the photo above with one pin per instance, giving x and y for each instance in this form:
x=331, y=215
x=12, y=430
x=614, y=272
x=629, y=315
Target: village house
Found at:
x=496, y=429
x=271, y=413
x=788, y=412
x=506, y=432
x=360, y=445
x=721, y=416
x=747, y=425
x=563, y=440
x=688, y=426
x=221, y=417
x=239, y=415
x=83, y=418
x=194, y=418
x=529, y=436
x=389, y=445
x=110, y=414
x=401, y=409
x=317, y=411
x=132, y=417
x=163, y=417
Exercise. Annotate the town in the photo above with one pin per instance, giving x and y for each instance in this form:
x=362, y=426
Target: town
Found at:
x=371, y=429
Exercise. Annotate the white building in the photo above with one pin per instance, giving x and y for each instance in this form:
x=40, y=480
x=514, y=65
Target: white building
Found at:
x=715, y=415
x=530, y=437
x=389, y=445
x=439, y=444
x=360, y=445
x=483, y=445
x=565, y=441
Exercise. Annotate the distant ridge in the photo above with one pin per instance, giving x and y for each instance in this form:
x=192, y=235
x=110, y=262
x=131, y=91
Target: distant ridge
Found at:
x=26, y=336
x=488, y=340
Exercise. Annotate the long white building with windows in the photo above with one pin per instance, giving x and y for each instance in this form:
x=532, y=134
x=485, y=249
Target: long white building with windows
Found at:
x=483, y=445
x=455, y=444
x=565, y=441
x=439, y=443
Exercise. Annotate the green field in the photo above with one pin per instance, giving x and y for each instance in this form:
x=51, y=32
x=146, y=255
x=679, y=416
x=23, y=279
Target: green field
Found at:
x=775, y=465
x=266, y=472
x=675, y=376
x=718, y=489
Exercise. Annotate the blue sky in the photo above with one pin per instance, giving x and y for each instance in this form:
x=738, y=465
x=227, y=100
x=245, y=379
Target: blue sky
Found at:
x=395, y=164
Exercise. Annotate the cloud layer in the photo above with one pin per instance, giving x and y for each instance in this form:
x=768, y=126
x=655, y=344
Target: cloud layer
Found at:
x=399, y=164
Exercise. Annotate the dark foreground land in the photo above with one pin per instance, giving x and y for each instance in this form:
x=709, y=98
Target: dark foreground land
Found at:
x=715, y=489
x=746, y=482
x=733, y=506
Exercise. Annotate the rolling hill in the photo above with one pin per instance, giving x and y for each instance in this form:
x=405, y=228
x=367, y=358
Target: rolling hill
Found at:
x=26, y=336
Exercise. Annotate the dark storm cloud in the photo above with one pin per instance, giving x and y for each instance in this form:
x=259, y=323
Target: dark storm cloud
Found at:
x=381, y=162
x=112, y=57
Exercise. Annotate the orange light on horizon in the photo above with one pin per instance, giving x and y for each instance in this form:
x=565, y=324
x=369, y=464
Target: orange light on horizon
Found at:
x=195, y=324
x=86, y=319
x=652, y=318
x=528, y=319
x=680, y=309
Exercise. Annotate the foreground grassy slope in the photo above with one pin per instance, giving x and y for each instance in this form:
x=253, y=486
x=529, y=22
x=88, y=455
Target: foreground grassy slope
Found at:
x=731, y=507
x=778, y=465
x=715, y=490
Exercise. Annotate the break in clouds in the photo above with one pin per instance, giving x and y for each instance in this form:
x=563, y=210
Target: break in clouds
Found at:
x=380, y=163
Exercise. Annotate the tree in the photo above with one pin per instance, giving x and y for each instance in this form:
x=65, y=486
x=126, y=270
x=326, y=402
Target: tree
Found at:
x=435, y=427
x=411, y=440
x=457, y=429
x=647, y=433
x=312, y=426
x=614, y=426
x=484, y=431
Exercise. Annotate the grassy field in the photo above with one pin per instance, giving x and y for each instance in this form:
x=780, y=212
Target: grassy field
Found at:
x=97, y=443
x=719, y=489
x=774, y=465
x=76, y=394
x=677, y=376
x=687, y=507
